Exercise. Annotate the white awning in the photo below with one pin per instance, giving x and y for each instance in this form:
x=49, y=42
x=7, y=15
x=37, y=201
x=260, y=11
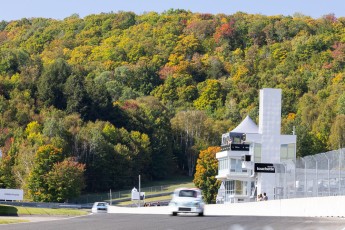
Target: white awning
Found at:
x=246, y=126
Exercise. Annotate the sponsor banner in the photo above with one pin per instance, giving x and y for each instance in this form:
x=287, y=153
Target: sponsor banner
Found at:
x=11, y=194
x=264, y=168
x=239, y=147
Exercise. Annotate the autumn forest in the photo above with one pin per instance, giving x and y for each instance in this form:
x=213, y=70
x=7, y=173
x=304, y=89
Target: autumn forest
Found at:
x=88, y=104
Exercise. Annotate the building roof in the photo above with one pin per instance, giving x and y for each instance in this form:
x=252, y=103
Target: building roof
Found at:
x=246, y=126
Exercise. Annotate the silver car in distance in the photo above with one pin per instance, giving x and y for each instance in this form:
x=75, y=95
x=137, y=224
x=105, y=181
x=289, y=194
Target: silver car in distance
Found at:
x=99, y=207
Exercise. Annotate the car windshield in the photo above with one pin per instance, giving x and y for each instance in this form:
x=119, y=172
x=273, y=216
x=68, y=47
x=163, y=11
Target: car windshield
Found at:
x=187, y=193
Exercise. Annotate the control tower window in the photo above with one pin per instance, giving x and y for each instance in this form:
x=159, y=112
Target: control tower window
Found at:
x=237, y=138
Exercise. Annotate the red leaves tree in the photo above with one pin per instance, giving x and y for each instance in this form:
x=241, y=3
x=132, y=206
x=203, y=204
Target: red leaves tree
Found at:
x=225, y=31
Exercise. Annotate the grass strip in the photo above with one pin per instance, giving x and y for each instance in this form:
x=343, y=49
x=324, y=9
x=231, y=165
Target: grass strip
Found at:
x=147, y=200
x=12, y=221
x=7, y=210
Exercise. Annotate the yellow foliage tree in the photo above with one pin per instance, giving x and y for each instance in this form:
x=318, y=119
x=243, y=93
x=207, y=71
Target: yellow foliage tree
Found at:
x=205, y=175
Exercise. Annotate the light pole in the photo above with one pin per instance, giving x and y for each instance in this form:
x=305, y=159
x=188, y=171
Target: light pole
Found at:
x=139, y=192
x=110, y=197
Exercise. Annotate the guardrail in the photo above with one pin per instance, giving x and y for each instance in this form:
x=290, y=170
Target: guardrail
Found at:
x=48, y=205
x=76, y=206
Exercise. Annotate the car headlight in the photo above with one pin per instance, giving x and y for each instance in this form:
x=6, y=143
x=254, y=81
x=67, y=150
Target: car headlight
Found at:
x=197, y=204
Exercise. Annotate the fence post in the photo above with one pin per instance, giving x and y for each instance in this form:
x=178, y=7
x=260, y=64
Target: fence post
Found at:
x=339, y=171
x=305, y=176
x=317, y=180
x=329, y=179
x=285, y=185
x=295, y=177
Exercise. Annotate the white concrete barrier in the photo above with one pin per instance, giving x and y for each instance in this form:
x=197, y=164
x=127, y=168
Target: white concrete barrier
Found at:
x=333, y=206
x=140, y=210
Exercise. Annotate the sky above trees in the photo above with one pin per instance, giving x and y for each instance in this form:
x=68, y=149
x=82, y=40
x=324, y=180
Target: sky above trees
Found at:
x=17, y=9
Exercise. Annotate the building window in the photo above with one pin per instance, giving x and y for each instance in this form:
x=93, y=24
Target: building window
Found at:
x=233, y=165
x=292, y=151
x=223, y=163
x=235, y=187
x=284, y=152
x=229, y=189
x=257, y=152
x=237, y=138
x=236, y=166
x=287, y=152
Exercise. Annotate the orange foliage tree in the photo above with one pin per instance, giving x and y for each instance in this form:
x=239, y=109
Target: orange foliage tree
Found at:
x=205, y=175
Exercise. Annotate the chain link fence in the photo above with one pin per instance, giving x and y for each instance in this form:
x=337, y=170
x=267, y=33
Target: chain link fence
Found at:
x=312, y=176
x=117, y=196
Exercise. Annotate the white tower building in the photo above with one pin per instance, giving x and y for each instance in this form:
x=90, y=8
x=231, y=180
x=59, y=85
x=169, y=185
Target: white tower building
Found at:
x=250, y=166
x=269, y=128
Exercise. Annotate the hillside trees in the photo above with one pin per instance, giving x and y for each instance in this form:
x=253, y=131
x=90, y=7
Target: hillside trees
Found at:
x=51, y=84
x=46, y=157
x=178, y=91
x=99, y=104
x=76, y=96
x=113, y=156
x=65, y=180
x=337, y=137
x=149, y=116
x=188, y=128
x=27, y=144
x=7, y=180
x=211, y=96
x=8, y=61
x=8, y=159
x=97, y=154
x=193, y=131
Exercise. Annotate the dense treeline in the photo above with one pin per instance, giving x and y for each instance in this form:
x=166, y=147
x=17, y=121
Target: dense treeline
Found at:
x=111, y=96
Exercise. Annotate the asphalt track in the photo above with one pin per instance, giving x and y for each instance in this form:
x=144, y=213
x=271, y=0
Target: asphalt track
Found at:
x=180, y=222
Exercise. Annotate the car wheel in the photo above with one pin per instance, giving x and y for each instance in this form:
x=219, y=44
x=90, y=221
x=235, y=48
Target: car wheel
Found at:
x=201, y=214
x=174, y=213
